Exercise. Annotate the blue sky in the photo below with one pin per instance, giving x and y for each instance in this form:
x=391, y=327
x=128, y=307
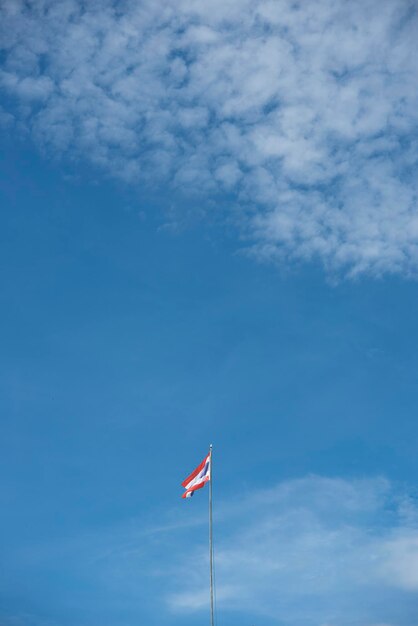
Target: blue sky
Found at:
x=209, y=233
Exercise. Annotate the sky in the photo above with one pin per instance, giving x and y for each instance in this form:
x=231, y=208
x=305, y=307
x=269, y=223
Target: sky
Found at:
x=208, y=234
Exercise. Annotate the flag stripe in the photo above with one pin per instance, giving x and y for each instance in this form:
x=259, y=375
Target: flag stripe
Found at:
x=198, y=478
x=190, y=491
x=195, y=472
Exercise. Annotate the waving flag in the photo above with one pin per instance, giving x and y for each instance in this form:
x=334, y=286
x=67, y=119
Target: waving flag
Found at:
x=198, y=478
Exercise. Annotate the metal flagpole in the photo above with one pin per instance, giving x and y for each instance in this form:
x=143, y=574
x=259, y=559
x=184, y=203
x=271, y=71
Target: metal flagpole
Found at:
x=212, y=620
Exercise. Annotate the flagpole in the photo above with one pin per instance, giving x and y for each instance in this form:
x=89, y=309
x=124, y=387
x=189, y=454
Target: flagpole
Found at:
x=212, y=620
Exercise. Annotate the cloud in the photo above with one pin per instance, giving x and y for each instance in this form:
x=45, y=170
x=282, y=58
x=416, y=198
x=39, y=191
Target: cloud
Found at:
x=313, y=551
x=305, y=113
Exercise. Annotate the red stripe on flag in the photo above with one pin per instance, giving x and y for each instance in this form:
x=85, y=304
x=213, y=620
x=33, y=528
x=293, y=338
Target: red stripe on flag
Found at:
x=195, y=472
x=195, y=487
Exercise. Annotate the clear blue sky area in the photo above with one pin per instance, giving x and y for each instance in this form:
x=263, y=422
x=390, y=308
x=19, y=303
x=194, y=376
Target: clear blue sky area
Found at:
x=208, y=234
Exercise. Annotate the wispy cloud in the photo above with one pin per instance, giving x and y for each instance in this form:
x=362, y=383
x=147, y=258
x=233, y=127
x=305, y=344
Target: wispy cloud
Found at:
x=314, y=551
x=305, y=113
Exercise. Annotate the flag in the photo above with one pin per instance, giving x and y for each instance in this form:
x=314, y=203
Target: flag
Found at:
x=198, y=478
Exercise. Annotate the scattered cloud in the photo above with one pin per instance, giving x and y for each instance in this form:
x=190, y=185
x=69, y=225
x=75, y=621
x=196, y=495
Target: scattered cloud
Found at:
x=305, y=113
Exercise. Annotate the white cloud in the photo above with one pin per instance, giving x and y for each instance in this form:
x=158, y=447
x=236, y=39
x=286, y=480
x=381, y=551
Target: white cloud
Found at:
x=306, y=112
x=401, y=562
x=313, y=551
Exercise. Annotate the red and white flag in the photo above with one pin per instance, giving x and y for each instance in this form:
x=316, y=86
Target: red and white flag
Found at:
x=198, y=478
